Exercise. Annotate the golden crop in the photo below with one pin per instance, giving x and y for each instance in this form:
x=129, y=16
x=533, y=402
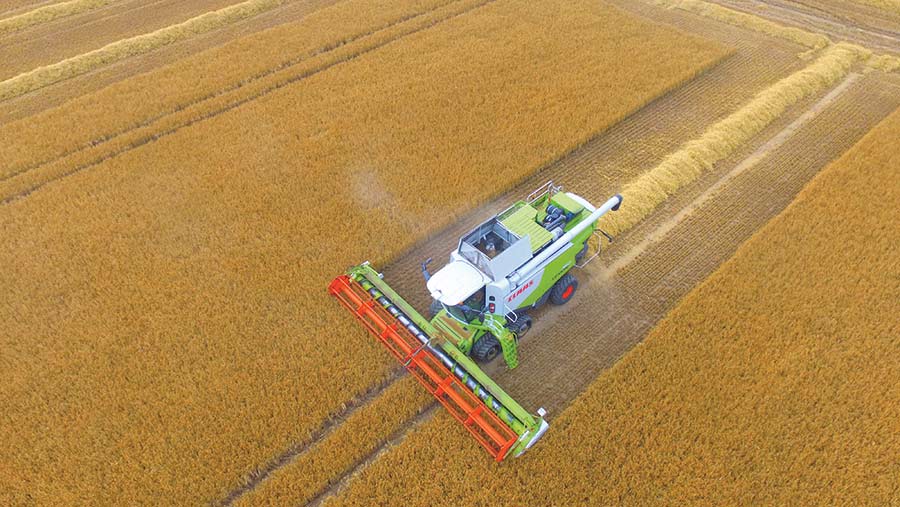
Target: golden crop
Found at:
x=167, y=326
x=127, y=113
x=772, y=383
x=234, y=67
x=359, y=435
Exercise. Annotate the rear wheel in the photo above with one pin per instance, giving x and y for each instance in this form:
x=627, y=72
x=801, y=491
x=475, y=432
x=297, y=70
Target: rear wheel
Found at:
x=564, y=289
x=486, y=348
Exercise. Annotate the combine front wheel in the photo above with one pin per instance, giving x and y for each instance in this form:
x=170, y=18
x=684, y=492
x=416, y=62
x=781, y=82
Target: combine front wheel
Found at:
x=486, y=348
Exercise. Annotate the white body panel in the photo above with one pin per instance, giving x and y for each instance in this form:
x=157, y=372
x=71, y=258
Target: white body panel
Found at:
x=456, y=281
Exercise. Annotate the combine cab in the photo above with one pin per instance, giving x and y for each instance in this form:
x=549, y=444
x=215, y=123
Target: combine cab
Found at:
x=516, y=261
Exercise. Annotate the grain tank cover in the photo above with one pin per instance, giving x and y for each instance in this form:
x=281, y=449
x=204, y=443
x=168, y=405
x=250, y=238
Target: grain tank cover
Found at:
x=564, y=201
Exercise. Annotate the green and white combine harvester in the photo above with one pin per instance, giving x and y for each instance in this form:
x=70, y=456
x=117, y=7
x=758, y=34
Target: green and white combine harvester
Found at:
x=508, y=265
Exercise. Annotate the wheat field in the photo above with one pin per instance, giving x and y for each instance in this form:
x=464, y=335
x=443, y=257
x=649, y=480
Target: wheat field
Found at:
x=192, y=342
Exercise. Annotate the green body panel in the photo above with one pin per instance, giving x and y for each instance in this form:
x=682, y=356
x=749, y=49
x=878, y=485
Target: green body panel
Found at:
x=565, y=202
x=520, y=220
x=465, y=338
x=562, y=264
x=518, y=419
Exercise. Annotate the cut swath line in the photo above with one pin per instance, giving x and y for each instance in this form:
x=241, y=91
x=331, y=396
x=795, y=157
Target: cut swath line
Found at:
x=643, y=194
x=125, y=48
x=772, y=144
x=49, y=13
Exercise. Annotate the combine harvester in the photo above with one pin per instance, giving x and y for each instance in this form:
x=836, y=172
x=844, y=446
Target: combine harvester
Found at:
x=506, y=266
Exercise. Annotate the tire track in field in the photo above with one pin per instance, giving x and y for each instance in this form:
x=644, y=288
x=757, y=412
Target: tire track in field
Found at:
x=771, y=145
x=15, y=193
x=835, y=27
x=395, y=438
x=54, y=95
x=48, y=13
x=137, y=45
x=12, y=8
x=325, y=429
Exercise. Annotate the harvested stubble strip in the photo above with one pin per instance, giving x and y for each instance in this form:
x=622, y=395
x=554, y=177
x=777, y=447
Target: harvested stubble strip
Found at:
x=772, y=383
x=81, y=64
x=49, y=13
x=749, y=21
x=684, y=166
x=888, y=5
x=93, y=119
x=353, y=440
x=167, y=326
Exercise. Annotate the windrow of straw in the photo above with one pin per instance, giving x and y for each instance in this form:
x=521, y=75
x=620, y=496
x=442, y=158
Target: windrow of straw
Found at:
x=49, y=13
x=125, y=48
x=749, y=21
x=646, y=192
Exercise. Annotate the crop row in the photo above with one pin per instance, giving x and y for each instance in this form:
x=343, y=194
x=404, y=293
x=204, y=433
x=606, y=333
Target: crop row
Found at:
x=168, y=328
x=136, y=102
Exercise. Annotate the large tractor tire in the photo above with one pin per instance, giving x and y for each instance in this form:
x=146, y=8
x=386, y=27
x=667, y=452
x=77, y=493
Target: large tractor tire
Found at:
x=564, y=289
x=486, y=348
